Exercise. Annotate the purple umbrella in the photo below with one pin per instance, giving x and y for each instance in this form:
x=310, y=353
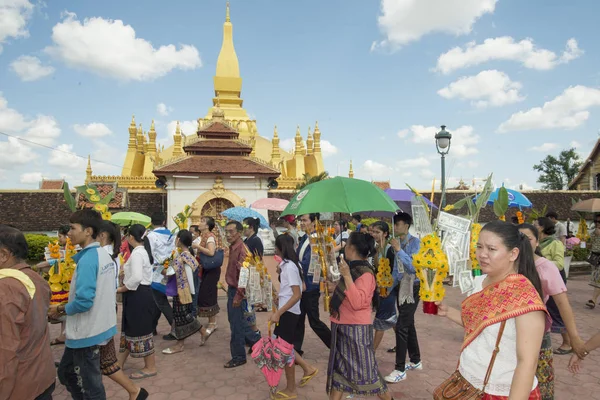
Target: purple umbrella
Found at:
x=402, y=197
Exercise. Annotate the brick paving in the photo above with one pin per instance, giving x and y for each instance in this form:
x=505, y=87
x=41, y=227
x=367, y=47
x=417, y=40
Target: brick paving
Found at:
x=198, y=372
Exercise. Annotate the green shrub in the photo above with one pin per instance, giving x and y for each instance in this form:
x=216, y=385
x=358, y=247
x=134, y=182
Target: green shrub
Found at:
x=36, y=245
x=580, y=254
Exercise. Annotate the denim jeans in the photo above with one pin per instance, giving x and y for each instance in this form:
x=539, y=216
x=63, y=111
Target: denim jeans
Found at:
x=79, y=371
x=240, y=331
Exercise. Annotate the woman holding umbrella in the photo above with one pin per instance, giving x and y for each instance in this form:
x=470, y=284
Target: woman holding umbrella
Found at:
x=287, y=315
x=352, y=364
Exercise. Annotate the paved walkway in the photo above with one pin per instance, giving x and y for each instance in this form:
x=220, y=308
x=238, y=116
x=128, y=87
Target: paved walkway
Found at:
x=198, y=373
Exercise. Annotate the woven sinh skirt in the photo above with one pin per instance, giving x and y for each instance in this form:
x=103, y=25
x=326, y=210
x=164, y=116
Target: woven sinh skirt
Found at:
x=207, y=295
x=595, y=279
x=138, y=322
x=108, y=358
x=184, y=322
x=545, y=369
x=352, y=364
x=386, y=315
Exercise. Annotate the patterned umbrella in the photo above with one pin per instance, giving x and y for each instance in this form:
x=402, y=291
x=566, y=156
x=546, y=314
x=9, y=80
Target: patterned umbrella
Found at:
x=270, y=203
x=241, y=213
x=271, y=356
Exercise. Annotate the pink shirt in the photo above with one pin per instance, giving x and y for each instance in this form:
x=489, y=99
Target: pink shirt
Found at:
x=356, y=309
x=552, y=283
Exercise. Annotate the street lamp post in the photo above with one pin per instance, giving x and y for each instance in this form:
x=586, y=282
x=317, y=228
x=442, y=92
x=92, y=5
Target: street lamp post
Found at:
x=442, y=143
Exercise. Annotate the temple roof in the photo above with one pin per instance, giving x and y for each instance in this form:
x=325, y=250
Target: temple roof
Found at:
x=49, y=184
x=218, y=146
x=594, y=155
x=218, y=165
x=217, y=130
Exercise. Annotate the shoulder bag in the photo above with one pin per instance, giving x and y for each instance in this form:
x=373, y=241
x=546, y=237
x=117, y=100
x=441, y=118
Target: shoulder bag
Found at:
x=456, y=387
x=207, y=262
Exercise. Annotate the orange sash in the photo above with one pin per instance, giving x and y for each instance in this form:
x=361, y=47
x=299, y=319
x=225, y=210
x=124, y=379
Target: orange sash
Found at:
x=508, y=299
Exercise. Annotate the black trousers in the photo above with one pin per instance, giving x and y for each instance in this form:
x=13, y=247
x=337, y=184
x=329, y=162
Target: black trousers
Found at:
x=406, y=333
x=162, y=307
x=309, y=307
x=47, y=395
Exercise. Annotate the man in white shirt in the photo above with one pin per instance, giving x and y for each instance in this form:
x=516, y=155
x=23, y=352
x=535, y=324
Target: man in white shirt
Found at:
x=561, y=229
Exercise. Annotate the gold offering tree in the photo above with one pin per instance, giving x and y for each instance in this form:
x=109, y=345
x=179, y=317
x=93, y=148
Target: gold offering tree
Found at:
x=60, y=275
x=323, y=265
x=431, y=265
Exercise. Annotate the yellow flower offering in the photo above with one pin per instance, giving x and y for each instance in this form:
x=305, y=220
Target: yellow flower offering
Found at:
x=384, y=276
x=431, y=265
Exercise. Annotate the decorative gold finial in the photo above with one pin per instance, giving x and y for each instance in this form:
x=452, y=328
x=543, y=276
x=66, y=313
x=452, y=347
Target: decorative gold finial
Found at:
x=351, y=172
x=227, y=17
x=309, y=143
x=152, y=125
x=275, y=135
x=88, y=171
x=317, y=141
x=178, y=129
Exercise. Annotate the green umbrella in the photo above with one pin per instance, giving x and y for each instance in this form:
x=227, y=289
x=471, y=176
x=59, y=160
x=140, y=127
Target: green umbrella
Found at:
x=130, y=218
x=345, y=195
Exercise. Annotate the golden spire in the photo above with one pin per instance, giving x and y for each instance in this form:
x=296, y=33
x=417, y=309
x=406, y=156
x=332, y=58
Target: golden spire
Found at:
x=275, y=153
x=309, y=142
x=317, y=142
x=132, y=132
x=88, y=171
x=298, y=140
x=177, y=148
x=227, y=63
x=351, y=172
x=152, y=136
x=140, y=138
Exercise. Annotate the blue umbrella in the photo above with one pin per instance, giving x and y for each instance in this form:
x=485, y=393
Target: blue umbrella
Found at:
x=241, y=213
x=515, y=199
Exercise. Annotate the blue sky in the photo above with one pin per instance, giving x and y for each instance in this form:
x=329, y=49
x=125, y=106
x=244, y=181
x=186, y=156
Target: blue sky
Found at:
x=513, y=81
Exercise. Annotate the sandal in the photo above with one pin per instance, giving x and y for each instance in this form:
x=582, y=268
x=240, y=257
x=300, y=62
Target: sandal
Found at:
x=562, y=352
x=56, y=342
x=141, y=375
x=590, y=304
x=305, y=379
x=169, y=350
x=280, y=396
x=209, y=331
x=234, y=363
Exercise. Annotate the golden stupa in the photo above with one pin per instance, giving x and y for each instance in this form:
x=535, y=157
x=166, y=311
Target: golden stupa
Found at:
x=143, y=155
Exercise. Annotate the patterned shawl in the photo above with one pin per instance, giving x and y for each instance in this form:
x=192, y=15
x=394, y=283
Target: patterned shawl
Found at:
x=183, y=286
x=513, y=297
x=357, y=268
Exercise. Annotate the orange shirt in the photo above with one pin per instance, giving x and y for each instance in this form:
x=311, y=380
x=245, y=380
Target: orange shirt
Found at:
x=356, y=309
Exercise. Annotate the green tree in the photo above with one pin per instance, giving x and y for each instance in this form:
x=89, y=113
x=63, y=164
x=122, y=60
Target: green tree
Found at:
x=307, y=179
x=556, y=173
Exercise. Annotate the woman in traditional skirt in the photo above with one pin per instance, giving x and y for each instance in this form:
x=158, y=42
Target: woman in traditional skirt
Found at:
x=109, y=237
x=352, y=365
x=208, y=307
x=552, y=287
x=594, y=260
x=386, y=315
x=184, y=321
x=138, y=305
x=288, y=313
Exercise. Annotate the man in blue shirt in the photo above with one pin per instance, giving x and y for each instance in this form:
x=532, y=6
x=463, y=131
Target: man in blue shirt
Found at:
x=405, y=245
x=309, y=305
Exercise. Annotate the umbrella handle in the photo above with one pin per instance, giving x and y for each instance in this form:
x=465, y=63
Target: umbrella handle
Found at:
x=269, y=328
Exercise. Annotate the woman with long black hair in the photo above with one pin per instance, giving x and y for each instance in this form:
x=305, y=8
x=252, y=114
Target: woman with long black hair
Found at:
x=184, y=321
x=138, y=305
x=288, y=313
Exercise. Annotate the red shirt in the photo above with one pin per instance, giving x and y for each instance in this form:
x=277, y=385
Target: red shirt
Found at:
x=237, y=255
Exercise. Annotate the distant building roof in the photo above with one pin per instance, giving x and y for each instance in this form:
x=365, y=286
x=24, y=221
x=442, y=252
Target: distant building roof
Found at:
x=383, y=185
x=586, y=164
x=222, y=165
x=49, y=184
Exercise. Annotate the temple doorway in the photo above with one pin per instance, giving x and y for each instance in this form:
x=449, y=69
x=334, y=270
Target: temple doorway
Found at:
x=216, y=206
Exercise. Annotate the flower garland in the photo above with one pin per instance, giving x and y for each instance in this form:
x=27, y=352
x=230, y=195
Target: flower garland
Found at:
x=475, y=230
x=520, y=217
x=431, y=265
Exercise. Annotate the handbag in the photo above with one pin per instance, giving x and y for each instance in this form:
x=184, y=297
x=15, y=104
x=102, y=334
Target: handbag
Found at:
x=171, y=286
x=214, y=262
x=456, y=387
x=594, y=259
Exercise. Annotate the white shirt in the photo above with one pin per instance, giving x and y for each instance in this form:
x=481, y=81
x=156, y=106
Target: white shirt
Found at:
x=110, y=249
x=290, y=276
x=561, y=230
x=138, y=270
x=476, y=357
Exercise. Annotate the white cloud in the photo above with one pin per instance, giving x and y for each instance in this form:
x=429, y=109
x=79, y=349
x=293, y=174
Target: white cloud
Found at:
x=505, y=48
x=20, y=154
x=575, y=144
x=566, y=111
x=328, y=149
x=545, y=148
x=414, y=163
x=462, y=144
x=93, y=130
x=405, y=21
x=111, y=48
x=488, y=88
x=287, y=144
x=64, y=157
x=426, y=174
x=163, y=109
x=43, y=130
x=13, y=19
x=403, y=133
x=31, y=177
x=187, y=128
x=30, y=68
x=376, y=170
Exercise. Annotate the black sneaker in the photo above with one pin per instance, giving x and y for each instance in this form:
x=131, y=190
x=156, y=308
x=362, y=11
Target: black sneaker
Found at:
x=392, y=350
x=169, y=337
x=142, y=395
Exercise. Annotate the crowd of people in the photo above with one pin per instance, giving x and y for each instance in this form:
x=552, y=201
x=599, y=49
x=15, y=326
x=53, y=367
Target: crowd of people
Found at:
x=507, y=351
